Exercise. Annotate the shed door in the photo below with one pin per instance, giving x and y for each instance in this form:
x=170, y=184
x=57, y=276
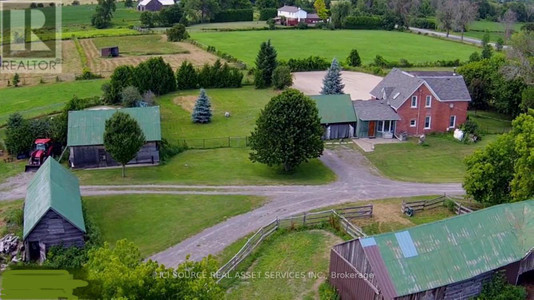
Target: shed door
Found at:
x=371, y=132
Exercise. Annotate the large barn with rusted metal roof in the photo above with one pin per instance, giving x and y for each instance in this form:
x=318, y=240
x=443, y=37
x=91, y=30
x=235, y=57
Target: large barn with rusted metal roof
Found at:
x=448, y=259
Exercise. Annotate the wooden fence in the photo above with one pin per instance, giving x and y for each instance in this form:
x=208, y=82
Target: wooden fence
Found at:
x=356, y=212
x=459, y=208
x=300, y=220
x=212, y=143
x=423, y=204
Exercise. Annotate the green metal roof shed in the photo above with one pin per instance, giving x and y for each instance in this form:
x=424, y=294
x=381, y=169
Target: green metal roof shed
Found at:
x=86, y=127
x=335, y=108
x=53, y=188
x=448, y=252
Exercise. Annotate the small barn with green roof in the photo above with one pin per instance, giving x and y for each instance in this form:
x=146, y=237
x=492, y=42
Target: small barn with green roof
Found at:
x=337, y=116
x=52, y=211
x=85, y=137
x=448, y=259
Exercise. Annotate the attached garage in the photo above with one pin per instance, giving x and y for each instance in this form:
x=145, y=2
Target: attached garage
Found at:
x=337, y=116
x=86, y=137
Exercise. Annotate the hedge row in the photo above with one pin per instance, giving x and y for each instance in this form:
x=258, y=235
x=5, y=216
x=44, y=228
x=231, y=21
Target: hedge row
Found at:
x=267, y=13
x=364, y=22
x=234, y=15
x=423, y=23
x=312, y=63
x=217, y=75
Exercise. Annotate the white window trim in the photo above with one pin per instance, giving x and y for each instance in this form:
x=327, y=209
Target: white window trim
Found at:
x=454, y=123
x=427, y=102
x=411, y=102
x=414, y=123
x=429, y=122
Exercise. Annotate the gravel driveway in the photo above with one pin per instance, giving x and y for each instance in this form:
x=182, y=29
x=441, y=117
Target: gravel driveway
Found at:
x=357, y=84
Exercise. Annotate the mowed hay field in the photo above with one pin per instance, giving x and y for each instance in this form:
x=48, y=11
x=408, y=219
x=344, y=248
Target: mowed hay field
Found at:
x=70, y=67
x=391, y=45
x=137, y=49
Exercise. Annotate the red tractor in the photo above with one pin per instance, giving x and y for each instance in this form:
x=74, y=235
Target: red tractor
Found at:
x=43, y=148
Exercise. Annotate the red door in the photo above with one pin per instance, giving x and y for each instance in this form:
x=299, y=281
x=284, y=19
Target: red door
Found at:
x=371, y=132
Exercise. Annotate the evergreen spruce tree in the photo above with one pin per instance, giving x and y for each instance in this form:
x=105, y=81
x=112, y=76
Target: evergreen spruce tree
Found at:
x=265, y=65
x=332, y=83
x=202, y=110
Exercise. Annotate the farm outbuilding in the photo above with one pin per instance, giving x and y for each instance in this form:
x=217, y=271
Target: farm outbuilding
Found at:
x=110, y=51
x=375, y=119
x=337, y=116
x=52, y=211
x=85, y=137
x=448, y=259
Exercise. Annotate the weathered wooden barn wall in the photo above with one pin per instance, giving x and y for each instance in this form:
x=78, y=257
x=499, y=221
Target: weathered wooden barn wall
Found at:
x=96, y=156
x=54, y=230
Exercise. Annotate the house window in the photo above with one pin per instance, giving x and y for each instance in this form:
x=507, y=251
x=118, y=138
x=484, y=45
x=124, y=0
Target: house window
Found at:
x=428, y=121
x=414, y=101
x=413, y=123
x=452, y=122
x=385, y=126
x=428, y=102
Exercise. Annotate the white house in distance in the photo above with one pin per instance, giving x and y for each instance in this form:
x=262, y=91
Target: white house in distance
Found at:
x=292, y=14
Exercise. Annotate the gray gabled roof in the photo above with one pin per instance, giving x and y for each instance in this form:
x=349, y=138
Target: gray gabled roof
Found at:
x=289, y=8
x=374, y=110
x=398, y=85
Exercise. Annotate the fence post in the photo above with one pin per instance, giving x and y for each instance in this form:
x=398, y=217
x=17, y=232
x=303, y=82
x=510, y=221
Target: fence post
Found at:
x=277, y=223
x=304, y=220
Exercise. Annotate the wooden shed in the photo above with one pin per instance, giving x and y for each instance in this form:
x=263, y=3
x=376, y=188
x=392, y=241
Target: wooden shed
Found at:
x=448, y=259
x=85, y=137
x=110, y=51
x=52, y=211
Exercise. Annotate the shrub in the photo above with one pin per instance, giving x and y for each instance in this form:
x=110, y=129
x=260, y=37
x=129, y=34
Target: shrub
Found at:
x=268, y=13
x=475, y=56
x=354, y=59
x=499, y=44
x=16, y=80
x=154, y=75
x=499, y=289
x=177, y=33
x=302, y=25
x=149, y=98
x=33, y=5
x=75, y=3
x=470, y=127
x=88, y=75
x=363, y=22
x=168, y=151
x=327, y=292
x=379, y=61
x=282, y=77
x=271, y=24
x=234, y=15
x=130, y=96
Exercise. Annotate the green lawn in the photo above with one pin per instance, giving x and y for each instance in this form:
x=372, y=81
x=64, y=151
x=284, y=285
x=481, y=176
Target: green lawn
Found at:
x=43, y=99
x=296, y=253
x=134, y=45
x=225, y=166
x=156, y=222
x=10, y=169
x=227, y=25
x=244, y=105
x=391, y=45
x=491, y=122
x=441, y=161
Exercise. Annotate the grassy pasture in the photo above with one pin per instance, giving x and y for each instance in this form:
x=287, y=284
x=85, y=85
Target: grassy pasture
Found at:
x=226, y=166
x=43, y=99
x=491, y=122
x=244, y=105
x=140, y=45
x=442, y=160
x=156, y=222
x=303, y=43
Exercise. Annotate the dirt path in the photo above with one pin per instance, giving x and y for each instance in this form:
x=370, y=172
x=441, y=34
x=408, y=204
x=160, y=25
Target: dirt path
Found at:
x=357, y=181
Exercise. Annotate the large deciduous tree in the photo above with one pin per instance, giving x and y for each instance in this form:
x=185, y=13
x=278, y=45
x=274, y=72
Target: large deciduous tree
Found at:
x=339, y=12
x=201, y=10
x=466, y=13
x=508, y=20
x=320, y=8
x=332, y=82
x=445, y=15
x=288, y=132
x=202, y=110
x=123, y=138
x=502, y=171
x=103, y=13
x=265, y=65
x=19, y=138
